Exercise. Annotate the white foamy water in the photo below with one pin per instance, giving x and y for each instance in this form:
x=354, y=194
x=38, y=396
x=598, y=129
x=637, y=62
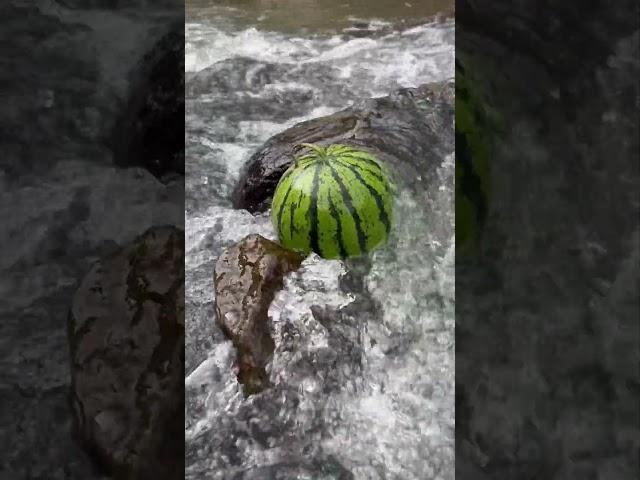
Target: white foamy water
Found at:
x=401, y=58
x=363, y=381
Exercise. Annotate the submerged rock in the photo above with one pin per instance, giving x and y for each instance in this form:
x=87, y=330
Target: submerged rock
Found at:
x=126, y=335
x=412, y=130
x=247, y=276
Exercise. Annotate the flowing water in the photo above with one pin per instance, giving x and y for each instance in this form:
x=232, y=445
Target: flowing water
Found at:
x=363, y=372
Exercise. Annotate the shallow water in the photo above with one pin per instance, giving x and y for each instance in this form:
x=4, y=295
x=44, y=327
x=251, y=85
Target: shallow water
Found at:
x=311, y=16
x=363, y=375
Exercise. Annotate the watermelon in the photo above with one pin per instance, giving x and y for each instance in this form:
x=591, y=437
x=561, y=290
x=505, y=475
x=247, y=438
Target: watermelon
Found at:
x=335, y=201
x=474, y=145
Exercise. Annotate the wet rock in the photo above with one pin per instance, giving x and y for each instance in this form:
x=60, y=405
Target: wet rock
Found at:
x=247, y=276
x=229, y=75
x=244, y=89
x=243, y=74
x=126, y=335
x=273, y=105
x=150, y=132
x=412, y=130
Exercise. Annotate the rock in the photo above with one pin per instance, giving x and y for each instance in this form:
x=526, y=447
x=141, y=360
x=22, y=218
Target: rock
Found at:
x=242, y=89
x=229, y=75
x=126, y=335
x=150, y=132
x=247, y=276
x=412, y=130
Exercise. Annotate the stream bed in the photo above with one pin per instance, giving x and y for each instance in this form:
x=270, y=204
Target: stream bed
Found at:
x=362, y=393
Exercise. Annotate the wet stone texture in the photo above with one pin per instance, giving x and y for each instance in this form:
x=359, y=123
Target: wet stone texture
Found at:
x=247, y=276
x=411, y=130
x=126, y=335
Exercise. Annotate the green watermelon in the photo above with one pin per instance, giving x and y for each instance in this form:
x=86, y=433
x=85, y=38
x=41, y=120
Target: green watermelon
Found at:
x=474, y=132
x=336, y=201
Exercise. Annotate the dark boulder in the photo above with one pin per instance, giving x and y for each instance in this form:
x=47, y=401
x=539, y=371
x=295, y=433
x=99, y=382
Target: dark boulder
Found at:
x=247, y=276
x=412, y=130
x=238, y=73
x=126, y=335
x=150, y=132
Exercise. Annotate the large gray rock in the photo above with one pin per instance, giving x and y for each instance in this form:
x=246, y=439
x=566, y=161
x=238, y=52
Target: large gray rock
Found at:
x=126, y=335
x=247, y=276
x=412, y=130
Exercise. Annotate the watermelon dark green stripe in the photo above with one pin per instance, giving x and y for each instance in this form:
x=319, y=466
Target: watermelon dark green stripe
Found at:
x=348, y=201
x=361, y=157
x=293, y=174
x=367, y=161
x=339, y=232
x=376, y=197
x=471, y=183
x=313, y=211
x=375, y=175
x=292, y=211
x=284, y=202
x=288, y=213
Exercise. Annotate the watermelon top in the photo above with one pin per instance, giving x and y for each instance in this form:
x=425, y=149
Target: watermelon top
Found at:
x=336, y=201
